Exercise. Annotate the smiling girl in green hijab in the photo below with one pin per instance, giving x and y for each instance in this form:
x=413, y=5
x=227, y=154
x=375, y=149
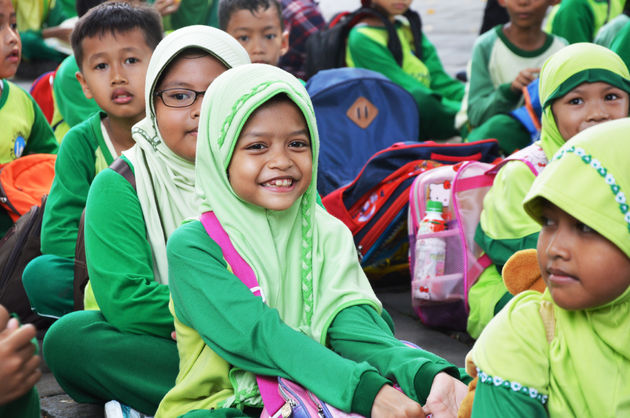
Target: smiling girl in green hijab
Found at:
x=580, y=86
x=319, y=322
x=565, y=352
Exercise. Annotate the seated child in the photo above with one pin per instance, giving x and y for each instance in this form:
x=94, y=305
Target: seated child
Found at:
x=437, y=94
x=504, y=60
x=580, y=86
x=565, y=352
x=258, y=26
x=126, y=229
x=19, y=369
x=256, y=172
x=579, y=20
x=25, y=129
x=113, y=44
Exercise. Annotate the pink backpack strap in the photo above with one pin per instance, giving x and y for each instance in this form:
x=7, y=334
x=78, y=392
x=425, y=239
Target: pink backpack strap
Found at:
x=532, y=156
x=267, y=385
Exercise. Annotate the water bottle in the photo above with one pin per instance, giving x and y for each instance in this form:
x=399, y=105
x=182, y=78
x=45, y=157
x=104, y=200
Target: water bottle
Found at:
x=430, y=252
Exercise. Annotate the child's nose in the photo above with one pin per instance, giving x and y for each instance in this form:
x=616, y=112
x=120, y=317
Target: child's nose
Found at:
x=118, y=75
x=598, y=111
x=556, y=245
x=280, y=160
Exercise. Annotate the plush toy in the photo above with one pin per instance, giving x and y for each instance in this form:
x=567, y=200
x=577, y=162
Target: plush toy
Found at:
x=521, y=272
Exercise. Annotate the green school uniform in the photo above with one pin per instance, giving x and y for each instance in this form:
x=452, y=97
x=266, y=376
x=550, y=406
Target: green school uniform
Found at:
x=504, y=227
x=26, y=406
x=579, y=20
x=32, y=16
x=495, y=64
x=48, y=279
x=437, y=94
x=125, y=237
x=536, y=359
x=25, y=132
x=316, y=295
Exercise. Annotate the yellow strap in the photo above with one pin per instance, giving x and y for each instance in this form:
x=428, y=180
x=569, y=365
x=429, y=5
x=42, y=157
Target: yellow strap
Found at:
x=549, y=320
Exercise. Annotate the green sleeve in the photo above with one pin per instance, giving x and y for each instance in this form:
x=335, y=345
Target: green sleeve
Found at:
x=492, y=401
x=441, y=83
x=504, y=224
x=42, y=139
x=484, y=100
x=360, y=334
x=56, y=15
x=367, y=53
x=621, y=44
x=74, y=172
x=574, y=21
x=120, y=263
x=248, y=334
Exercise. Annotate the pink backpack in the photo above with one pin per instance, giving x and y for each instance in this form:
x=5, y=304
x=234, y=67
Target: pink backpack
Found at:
x=442, y=301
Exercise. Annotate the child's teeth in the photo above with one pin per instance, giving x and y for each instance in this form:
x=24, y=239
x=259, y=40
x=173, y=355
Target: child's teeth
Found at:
x=281, y=183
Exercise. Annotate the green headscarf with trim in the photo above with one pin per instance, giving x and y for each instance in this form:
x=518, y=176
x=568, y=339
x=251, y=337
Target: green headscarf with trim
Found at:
x=304, y=258
x=568, y=68
x=164, y=180
x=585, y=368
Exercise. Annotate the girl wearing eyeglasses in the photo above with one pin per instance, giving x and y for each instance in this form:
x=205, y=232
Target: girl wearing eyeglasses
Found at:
x=123, y=350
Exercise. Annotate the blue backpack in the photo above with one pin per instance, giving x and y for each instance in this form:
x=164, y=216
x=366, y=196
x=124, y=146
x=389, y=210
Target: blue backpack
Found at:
x=359, y=112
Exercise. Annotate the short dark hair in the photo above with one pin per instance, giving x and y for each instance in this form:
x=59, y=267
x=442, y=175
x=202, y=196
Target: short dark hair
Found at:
x=116, y=17
x=228, y=7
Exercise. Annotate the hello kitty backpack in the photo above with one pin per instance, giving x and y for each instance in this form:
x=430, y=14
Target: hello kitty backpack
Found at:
x=442, y=301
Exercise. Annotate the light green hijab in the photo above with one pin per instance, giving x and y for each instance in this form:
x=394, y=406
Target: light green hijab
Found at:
x=568, y=68
x=585, y=369
x=164, y=180
x=304, y=258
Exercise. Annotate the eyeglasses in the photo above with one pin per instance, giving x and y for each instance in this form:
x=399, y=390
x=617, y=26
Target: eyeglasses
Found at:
x=178, y=97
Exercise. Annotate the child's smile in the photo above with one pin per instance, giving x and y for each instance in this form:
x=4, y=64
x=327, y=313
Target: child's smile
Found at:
x=272, y=163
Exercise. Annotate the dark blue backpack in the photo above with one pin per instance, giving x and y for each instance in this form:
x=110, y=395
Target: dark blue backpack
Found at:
x=359, y=112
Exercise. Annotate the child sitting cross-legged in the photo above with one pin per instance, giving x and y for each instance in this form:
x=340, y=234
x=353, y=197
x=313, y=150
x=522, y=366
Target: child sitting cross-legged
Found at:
x=565, y=352
x=112, y=44
x=318, y=322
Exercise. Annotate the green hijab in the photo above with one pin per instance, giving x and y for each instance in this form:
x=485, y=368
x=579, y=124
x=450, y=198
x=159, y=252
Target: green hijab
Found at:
x=584, y=370
x=164, y=180
x=568, y=68
x=304, y=258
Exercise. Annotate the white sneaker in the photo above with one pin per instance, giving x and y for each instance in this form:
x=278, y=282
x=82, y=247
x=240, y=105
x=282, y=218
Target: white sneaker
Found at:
x=115, y=409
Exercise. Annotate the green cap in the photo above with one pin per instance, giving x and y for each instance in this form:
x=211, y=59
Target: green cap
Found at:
x=434, y=206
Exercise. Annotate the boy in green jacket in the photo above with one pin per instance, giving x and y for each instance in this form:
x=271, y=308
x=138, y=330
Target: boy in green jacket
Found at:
x=112, y=44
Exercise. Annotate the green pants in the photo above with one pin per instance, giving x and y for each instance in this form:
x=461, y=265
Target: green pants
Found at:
x=95, y=362
x=437, y=116
x=34, y=48
x=48, y=282
x=510, y=133
x=25, y=407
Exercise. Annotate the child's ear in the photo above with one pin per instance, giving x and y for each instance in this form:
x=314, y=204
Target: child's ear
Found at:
x=285, y=42
x=501, y=3
x=84, y=86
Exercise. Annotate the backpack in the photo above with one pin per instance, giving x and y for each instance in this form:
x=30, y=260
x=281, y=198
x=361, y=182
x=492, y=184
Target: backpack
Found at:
x=359, y=112
x=18, y=247
x=42, y=91
x=530, y=113
x=374, y=205
x=442, y=301
x=24, y=181
x=81, y=276
x=326, y=48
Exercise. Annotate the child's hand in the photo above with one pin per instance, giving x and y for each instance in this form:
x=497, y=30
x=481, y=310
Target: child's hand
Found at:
x=166, y=7
x=447, y=393
x=524, y=78
x=18, y=365
x=390, y=402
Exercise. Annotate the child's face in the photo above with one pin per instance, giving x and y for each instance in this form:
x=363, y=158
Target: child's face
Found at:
x=178, y=125
x=272, y=163
x=581, y=268
x=393, y=7
x=588, y=104
x=260, y=34
x=11, y=43
x=113, y=72
x=527, y=13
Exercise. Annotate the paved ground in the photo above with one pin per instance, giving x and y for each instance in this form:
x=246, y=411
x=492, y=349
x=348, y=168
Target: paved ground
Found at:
x=452, y=25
